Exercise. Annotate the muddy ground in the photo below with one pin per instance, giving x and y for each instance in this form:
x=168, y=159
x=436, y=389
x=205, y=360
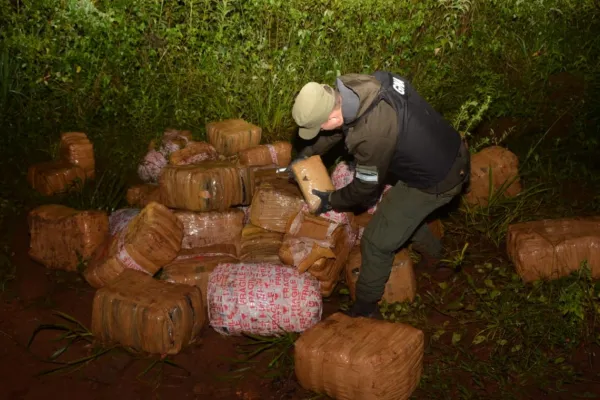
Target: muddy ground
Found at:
x=30, y=299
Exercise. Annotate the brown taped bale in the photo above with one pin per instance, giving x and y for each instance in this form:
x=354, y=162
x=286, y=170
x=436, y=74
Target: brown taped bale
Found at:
x=146, y=314
x=231, y=136
x=360, y=359
x=61, y=237
x=550, y=249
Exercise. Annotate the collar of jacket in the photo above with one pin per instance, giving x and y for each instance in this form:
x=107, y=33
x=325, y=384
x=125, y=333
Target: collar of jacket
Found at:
x=358, y=93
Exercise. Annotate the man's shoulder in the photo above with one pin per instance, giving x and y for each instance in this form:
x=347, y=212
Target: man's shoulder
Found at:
x=354, y=79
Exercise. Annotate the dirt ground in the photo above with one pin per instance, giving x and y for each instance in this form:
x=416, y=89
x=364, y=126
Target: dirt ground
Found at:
x=30, y=299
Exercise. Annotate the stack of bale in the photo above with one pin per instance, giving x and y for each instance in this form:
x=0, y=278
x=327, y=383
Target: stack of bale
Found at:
x=217, y=236
x=75, y=165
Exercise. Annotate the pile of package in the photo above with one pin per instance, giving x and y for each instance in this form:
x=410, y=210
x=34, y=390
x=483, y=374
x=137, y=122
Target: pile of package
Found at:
x=218, y=235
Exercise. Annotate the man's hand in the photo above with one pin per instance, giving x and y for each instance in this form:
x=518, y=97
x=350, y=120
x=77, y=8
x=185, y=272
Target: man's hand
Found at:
x=289, y=167
x=324, y=206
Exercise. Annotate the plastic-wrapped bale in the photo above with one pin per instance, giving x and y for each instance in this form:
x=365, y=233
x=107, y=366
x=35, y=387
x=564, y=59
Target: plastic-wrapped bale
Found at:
x=119, y=219
x=328, y=273
x=304, y=253
x=194, y=269
x=260, y=245
x=76, y=149
x=262, y=299
x=503, y=165
x=193, y=153
x=148, y=315
x=156, y=159
x=150, y=240
x=550, y=249
x=55, y=177
x=306, y=225
x=360, y=359
x=274, y=203
x=208, y=186
x=401, y=285
x=312, y=174
x=141, y=195
x=278, y=153
x=61, y=237
x=233, y=135
x=209, y=228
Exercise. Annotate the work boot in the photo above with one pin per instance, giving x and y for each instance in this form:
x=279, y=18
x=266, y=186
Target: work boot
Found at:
x=363, y=309
x=434, y=265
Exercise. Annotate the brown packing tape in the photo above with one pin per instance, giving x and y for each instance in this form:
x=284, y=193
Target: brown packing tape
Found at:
x=141, y=195
x=55, y=177
x=208, y=186
x=151, y=240
x=208, y=228
x=277, y=153
x=401, y=285
x=550, y=249
x=231, y=136
x=76, y=149
x=61, y=235
x=505, y=168
x=310, y=226
x=260, y=245
x=360, y=358
x=146, y=314
x=312, y=174
x=195, y=269
x=193, y=153
x=274, y=203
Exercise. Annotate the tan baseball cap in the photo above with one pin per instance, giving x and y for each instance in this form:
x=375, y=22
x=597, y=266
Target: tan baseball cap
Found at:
x=312, y=107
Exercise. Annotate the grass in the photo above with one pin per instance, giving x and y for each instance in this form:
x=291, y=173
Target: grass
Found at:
x=73, y=332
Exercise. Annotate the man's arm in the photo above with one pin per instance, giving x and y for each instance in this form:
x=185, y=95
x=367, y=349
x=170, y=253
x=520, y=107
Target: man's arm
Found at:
x=323, y=144
x=373, y=151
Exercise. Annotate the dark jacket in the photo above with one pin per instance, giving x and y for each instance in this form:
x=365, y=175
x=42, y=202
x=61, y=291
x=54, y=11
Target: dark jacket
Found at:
x=393, y=135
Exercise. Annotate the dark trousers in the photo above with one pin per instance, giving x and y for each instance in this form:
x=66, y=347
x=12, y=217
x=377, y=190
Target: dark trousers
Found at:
x=399, y=218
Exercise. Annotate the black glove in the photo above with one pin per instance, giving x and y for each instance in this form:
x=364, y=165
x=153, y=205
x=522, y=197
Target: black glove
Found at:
x=300, y=157
x=324, y=206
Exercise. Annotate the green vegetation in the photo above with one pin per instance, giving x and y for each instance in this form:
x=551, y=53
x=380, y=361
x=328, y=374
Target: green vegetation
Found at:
x=124, y=70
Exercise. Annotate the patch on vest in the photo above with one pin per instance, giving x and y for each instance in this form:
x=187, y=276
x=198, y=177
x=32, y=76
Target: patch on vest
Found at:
x=367, y=174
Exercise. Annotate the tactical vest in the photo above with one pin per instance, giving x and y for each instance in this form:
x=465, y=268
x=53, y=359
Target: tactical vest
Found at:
x=427, y=146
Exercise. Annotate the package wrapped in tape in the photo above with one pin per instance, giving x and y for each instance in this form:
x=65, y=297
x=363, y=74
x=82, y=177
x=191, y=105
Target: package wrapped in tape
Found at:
x=119, y=219
x=146, y=314
x=329, y=272
x=262, y=299
x=233, y=135
x=157, y=157
x=141, y=195
x=306, y=225
x=277, y=153
x=312, y=174
x=149, y=241
x=55, y=177
x=260, y=245
x=76, y=149
x=503, y=165
x=208, y=186
x=360, y=358
x=209, y=228
x=194, y=268
x=553, y=248
x=303, y=253
x=401, y=285
x=193, y=153
x=274, y=203
x=62, y=237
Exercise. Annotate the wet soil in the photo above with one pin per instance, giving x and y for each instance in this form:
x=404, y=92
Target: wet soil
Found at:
x=209, y=371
